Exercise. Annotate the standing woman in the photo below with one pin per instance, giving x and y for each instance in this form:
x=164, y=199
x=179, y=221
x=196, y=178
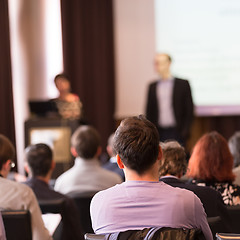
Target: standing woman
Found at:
x=68, y=104
x=211, y=165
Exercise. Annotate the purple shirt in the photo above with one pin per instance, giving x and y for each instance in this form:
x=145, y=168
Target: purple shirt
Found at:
x=141, y=204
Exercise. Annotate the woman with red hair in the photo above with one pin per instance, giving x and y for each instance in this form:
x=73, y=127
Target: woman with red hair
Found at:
x=211, y=165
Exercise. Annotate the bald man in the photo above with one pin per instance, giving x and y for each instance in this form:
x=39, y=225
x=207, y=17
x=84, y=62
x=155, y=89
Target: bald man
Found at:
x=169, y=102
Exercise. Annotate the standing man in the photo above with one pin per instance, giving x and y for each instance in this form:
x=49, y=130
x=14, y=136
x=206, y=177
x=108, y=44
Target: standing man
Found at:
x=169, y=102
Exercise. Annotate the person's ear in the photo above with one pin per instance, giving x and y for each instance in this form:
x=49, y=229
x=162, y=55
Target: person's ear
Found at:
x=99, y=151
x=53, y=165
x=26, y=168
x=119, y=162
x=7, y=165
x=74, y=152
x=160, y=154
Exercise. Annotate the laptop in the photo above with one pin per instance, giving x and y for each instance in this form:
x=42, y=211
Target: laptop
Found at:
x=43, y=108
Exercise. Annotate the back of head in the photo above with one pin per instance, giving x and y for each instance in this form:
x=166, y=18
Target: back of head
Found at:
x=39, y=158
x=136, y=141
x=211, y=159
x=173, y=161
x=234, y=146
x=86, y=141
x=61, y=76
x=7, y=150
x=110, y=148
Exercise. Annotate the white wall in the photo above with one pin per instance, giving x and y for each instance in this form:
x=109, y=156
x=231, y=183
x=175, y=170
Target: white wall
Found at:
x=134, y=52
x=36, y=53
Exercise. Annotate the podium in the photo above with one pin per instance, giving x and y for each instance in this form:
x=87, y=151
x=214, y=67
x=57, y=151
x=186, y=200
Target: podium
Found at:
x=55, y=132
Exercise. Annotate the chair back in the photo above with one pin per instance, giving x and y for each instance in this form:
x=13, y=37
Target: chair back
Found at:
x=51, y=206
x=155, y=233
x=216, y=225
x=17, y=224
x=83, y=203
x=227, y=236
x=55, y=206
x=234, y=213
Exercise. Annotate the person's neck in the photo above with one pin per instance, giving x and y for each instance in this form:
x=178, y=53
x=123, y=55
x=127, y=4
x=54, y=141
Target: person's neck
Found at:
x=45, y=179
x=3, y=173
x=165, y=76
x=63, y=95
x=150, y=175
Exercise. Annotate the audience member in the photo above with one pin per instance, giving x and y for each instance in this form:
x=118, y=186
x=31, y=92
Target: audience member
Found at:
x=86, y=175
x=234, y=146
x=172, y=167
x=2, y=230
x=142, y=201
x=40, y=166
x=112, y=163
x=68, y=104
x=211, y=165
x=16, y=196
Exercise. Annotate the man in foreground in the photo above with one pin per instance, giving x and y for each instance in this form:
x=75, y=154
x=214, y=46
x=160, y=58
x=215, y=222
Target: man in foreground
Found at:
x=142, y=201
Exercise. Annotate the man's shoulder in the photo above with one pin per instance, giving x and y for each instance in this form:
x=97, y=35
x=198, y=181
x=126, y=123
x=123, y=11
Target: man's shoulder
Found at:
x=106, y=173
x=15, y=186
x=153, y=83
x=69, y=173
x=16, y=190
x=116, y=189
x=180, y=81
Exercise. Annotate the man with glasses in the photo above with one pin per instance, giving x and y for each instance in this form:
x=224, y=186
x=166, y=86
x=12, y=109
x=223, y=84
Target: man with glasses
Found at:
x=17, y=196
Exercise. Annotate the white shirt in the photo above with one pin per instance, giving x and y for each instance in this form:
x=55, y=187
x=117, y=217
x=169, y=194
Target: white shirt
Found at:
x=86, y=176
x=18, y=196
x=2, y=230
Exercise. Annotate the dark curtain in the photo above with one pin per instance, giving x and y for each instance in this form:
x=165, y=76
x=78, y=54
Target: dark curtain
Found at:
x=87, y=27
x=6, y=95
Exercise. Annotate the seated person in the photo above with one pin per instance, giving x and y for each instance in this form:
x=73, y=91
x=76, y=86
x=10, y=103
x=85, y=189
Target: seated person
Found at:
x=111, y=164
x=172, y=167
x=86, y=175
x=2, y=230
x=40, y=166
x=68, y=104
x=211, y=164
x=234, y=146
x=18, y=196
x=142, y=201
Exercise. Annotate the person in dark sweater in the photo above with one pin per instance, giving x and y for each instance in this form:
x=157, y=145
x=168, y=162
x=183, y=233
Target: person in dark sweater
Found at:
x=40, y=165
x=173, y=166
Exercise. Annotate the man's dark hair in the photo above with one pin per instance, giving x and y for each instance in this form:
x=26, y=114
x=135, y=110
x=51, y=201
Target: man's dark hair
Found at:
x=136, y=141
x=173, y=161
x=234, y=146
x=61, y=75
x=39, y=158
x=86, y=141
x=7, y=150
